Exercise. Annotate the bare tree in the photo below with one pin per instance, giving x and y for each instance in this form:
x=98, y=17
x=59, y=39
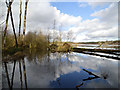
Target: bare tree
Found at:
x=69, y=36
x=55, y=33
x=60, y=33
x=6, y=22
x=10, y=11
x=25, y=14
x=13, y=27
x=54, y=30
x=20, y=18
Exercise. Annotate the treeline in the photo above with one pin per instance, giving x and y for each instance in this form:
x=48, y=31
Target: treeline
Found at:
x=112, y=42
x=32, y=40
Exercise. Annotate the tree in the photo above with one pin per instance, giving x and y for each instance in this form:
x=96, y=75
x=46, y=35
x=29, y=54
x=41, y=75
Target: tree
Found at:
x=10, y=11
x=60, y=33
x=6, y=22
x=13, y=27
x=20, y=18
x=25, y=14
x=69, y=36
x=55, y=36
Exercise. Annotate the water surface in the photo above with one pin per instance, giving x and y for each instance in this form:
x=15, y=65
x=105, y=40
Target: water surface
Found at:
x=61, y=70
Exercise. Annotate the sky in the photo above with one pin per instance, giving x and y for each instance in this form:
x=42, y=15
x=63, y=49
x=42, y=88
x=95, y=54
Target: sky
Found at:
x=88, y=21
x=77, y=9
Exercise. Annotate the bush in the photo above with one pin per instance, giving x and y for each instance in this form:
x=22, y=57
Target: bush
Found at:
x=32, y=40
x=10, y=41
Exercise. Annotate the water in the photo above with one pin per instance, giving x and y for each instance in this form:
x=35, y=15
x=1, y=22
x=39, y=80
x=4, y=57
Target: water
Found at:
x=62, y=70
x=96, y=46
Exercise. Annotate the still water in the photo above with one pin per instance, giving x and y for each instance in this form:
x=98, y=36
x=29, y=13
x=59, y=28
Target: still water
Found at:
x=61, y=70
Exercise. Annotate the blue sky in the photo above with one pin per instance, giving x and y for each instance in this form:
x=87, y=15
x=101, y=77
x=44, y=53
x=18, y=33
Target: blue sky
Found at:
x=74, y=9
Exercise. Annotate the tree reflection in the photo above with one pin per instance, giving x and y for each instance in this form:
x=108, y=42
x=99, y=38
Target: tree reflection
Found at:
x=7, y=75
x=35, y=55
x=24, y=69
x=20, y=70
x=91, y=78
x=13, y=74
x=11, y=83
x=56, y=65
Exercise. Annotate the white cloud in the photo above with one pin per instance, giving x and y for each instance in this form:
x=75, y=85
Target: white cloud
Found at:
x=42, y=15
x=69, y=20
x=46, y=15
x=108, y=15
x=103, y=27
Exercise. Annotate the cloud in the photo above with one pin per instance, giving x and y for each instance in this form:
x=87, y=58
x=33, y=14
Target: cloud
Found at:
x=104, y=33
x=41, y=15
x=100, y=4
x=44, y=15
x=66, y=19
x=103, y=27
x=94, y=4
x=108, y=15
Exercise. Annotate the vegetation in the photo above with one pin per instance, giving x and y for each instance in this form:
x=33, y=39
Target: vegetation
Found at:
x=11, y=43
x=32, y=40
x=56, y=41
x=65, y=47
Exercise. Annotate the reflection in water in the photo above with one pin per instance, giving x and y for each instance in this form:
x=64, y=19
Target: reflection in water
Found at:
x=13, y=74
x=24, y=69
x=20, y=74
x=60, y=70
x=89, y=78
x=10, y=83
x=7, y=74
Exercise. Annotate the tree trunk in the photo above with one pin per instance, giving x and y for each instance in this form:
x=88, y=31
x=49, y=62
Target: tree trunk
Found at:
x=24, y=21
x=6, y=24
x=20, y=19
x=9, y=11
x=13, y=27
x=54, y=31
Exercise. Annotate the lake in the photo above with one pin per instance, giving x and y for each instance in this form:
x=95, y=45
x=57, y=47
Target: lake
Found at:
x=96, y=46
x=60, y=70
